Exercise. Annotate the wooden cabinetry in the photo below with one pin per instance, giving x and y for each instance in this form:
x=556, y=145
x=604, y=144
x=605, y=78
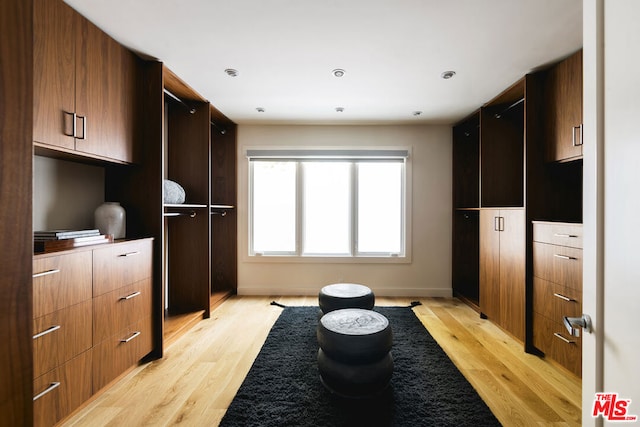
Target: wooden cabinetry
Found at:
x=61, y=334
x=563, y=114
x=557, y=291
x=502, y=268
x=92, y=321
x=84, y=93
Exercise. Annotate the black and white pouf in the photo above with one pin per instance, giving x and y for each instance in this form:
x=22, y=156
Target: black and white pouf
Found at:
x=345, y=295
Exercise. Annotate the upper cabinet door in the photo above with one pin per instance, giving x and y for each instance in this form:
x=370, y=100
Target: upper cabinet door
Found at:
x=54, y=41
x=564, y=107
x=84, y=86
x=105, y=92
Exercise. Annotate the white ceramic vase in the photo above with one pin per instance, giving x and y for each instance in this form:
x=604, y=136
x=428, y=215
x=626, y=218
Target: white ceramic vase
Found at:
x=110, y=218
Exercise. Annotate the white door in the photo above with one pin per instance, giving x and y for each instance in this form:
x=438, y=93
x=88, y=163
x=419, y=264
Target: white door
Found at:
x=611, y=355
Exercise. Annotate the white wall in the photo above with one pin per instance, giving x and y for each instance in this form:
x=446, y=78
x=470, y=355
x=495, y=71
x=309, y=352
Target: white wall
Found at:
x=428, y=273
x=65, y=194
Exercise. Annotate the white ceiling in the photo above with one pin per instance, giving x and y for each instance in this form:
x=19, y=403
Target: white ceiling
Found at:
x=393, y=52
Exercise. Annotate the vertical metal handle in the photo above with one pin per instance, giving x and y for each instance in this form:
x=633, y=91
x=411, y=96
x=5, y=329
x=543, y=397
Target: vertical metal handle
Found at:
x=501, y=223
x=73, y=126
x=52, y=386
x=84, y=127
x=495, y=223
x=577, y=142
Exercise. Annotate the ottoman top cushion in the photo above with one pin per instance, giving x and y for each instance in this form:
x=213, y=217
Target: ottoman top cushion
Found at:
x=345, y=290
x=354, y=321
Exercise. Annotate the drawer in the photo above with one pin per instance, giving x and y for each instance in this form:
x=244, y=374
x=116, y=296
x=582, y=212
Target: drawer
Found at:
x=558, y=233
x=60, y=281
x=60, y=391
x=121, y=351
x=558, y=264
x=60, y=336
x=555, y=301
x=116, y=310
x=120, y=264
x=553, y=339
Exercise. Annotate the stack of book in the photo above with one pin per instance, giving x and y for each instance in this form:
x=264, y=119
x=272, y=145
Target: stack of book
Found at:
x=56, y=240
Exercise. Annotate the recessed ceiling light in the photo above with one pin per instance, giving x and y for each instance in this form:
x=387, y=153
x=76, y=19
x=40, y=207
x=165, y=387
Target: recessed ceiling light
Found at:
x=447, y=74
x=339, y=109
x=260, y=110
x=231, y=72
x=417, y=113
x=338, y=72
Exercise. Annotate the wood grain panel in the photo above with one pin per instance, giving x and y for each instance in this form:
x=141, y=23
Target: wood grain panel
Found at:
x=16, y=199
x=558, y=233
x=489, y=265
x=115, y=310
x=120, y=264
x=112, y=356
x=543, y=299
x=512, y=272
x=54, y=36
x=69, y=282
x=73, y=336
x=558, y=264
x=74, y=389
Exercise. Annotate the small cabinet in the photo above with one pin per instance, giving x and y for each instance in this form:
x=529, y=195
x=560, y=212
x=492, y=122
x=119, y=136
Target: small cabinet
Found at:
x=84, y=91
x=557, y=290
x=502, y=268
x=563, y=106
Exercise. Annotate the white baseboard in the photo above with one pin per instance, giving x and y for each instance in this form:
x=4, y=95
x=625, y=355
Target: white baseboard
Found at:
x=383, y=292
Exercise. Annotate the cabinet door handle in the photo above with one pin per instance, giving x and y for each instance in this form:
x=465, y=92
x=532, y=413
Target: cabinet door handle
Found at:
x=130, y=253
x=500, y=223
x=84, y=127
x=565, y=235
x=73, y=125
x=571, y=258
x=46, y=273
x=564, y=298
x=574, y=141
x=52, y=386
x=46, y=331
x=560, y=337
x=134, y=335
x=133, y=295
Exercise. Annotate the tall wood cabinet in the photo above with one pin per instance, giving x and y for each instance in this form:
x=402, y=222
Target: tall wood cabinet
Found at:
x=84, y=96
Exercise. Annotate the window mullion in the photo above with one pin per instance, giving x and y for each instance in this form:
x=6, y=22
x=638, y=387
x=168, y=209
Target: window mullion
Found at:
x=299, y=207
x=354, y=209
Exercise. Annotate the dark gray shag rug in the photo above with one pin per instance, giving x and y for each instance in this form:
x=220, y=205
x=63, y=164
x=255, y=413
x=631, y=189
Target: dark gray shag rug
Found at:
x=283, y=386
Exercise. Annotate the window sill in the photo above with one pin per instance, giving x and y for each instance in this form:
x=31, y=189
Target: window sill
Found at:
x=327, y=259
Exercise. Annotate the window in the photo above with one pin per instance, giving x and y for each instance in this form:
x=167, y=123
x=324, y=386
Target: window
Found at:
x=327, y=203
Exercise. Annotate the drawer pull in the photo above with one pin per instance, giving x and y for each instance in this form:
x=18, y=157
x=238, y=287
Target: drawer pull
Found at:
x=565, y=235
x=46, y=331
x=134, y=335
x=564, y=298
x=52, y=386
x=133, y=295
x=130, y=253
x=46, y=273
x=571, y=258
x=559, y=336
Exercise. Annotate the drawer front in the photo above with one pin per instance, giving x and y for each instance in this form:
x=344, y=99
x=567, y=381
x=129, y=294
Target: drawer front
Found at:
x=558, y=264
x=121, y=264
x=543, y=300
x=553, y=339
x=61, y=281
x=562, y=234
x=121, y=351
x=116, y=310
x=60, y=336
x=60, y=391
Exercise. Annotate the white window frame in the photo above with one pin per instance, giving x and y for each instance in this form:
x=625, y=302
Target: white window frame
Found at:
x=354, y=155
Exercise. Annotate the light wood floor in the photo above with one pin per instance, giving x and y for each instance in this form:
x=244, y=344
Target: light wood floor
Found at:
x=201, y=371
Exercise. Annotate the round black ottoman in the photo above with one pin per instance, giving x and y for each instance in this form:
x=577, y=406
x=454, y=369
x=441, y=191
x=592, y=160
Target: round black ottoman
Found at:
x=345, y=295
x=354, y=359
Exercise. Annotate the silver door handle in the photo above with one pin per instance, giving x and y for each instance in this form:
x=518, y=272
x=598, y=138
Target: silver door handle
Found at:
x=46, y=273
x=130, y=253
x=559, y=336
x=563, y=297
x=574, y=324
x=46, y=331
x=132, y=295
x=571, y=258
x=52, y=386
x=134, y=335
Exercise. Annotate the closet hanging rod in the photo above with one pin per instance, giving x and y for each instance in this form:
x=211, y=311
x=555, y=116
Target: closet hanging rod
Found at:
x=222, y=130
x=175, y=98
x=499, y=115
x=191, y=214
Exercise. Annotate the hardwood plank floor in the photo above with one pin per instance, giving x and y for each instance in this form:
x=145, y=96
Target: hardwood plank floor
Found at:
x=202, y=370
